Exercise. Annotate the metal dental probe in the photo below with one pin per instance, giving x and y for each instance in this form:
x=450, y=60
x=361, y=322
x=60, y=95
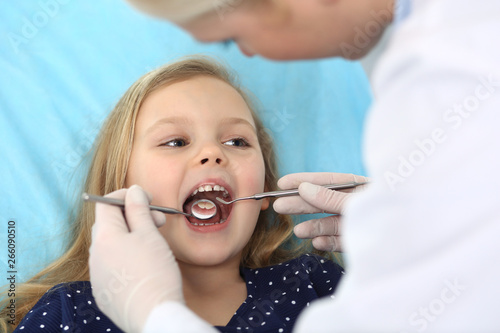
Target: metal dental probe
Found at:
x=291, y=192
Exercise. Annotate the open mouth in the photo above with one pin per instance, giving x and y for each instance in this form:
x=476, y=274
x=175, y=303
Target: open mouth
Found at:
x=202, y=202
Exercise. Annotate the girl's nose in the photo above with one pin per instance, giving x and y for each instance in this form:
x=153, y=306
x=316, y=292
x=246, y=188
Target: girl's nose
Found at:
x=211, y=154
x=217, y=160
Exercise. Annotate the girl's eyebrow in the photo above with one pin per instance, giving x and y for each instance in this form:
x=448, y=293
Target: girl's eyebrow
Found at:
x=237, y=121
x=176, y=120
x=169, y=120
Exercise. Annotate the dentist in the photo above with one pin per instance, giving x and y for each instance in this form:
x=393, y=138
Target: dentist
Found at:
x=421, y=242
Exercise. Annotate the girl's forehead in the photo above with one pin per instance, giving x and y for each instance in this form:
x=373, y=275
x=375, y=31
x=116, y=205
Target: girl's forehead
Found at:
x=200, y=97
x=199, y=89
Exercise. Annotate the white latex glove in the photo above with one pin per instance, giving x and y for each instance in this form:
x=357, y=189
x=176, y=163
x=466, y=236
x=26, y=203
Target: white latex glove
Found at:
x=325, y=232
x=132, y=268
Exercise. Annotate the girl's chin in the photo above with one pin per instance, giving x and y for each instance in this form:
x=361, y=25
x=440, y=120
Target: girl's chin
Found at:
x=208, y=259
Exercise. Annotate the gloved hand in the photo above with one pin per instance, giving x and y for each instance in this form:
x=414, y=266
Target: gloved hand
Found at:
x=132, y=268
x=325, y=232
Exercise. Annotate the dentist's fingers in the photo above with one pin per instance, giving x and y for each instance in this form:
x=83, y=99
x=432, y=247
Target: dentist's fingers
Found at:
x=141, y=256
x=294, y=205
x=137, y=212
x=328, y=201
x=325, y=233
x=312, y=199
x=328, y=243
x=321, y=178
x=159, y=218
x=326, y=226
x=116, y=220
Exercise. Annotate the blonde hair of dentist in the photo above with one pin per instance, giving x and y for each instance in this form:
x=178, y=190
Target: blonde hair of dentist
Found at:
x=271, y=242
x=182, y=11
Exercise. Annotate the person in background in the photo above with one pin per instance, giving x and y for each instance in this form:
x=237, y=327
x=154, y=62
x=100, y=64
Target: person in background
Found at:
x=421, y=241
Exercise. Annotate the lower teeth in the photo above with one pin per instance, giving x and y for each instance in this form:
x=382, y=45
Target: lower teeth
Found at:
x=208, y=224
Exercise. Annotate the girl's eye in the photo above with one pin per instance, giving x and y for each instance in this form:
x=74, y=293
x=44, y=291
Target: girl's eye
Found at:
x=175, y=143
x=238, y=142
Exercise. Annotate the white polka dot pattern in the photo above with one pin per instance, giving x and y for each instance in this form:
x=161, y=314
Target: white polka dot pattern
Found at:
x=275, y=297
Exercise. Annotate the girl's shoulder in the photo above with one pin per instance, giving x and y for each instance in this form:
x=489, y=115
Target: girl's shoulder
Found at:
x=314, y=264
x=278, y=293
x=65, y=294
x=308, y=271
x=308, y=263
x=67, y=306
x=77, y=288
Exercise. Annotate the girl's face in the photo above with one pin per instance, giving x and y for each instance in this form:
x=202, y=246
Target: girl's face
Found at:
x=196, y=139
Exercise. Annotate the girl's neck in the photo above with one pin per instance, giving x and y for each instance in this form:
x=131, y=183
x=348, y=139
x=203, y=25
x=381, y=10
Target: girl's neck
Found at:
x=213, y=292
x=206, y=280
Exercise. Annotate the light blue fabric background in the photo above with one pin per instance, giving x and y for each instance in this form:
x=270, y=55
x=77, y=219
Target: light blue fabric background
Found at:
x=65, y=63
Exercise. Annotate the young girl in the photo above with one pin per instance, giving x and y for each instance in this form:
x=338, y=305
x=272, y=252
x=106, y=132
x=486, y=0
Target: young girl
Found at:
x=187, y=132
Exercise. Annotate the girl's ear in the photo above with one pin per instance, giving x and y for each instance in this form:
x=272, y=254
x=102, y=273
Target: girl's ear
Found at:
x=265, y=204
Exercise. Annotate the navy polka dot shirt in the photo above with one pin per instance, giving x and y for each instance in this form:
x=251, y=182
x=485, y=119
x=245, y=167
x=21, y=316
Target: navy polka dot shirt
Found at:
x=276, y=295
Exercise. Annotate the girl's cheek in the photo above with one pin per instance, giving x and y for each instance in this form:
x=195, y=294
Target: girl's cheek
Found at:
x=164, y=182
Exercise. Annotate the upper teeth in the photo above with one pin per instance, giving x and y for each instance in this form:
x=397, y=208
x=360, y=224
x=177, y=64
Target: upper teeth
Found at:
x=209, y=188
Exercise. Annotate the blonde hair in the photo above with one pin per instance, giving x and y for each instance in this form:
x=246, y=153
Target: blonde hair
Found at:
x=271, y=242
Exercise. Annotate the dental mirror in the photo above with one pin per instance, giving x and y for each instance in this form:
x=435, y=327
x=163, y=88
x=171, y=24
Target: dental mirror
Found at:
x=203, y=209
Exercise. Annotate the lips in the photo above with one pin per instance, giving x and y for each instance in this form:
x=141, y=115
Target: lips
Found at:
x=208, y=192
